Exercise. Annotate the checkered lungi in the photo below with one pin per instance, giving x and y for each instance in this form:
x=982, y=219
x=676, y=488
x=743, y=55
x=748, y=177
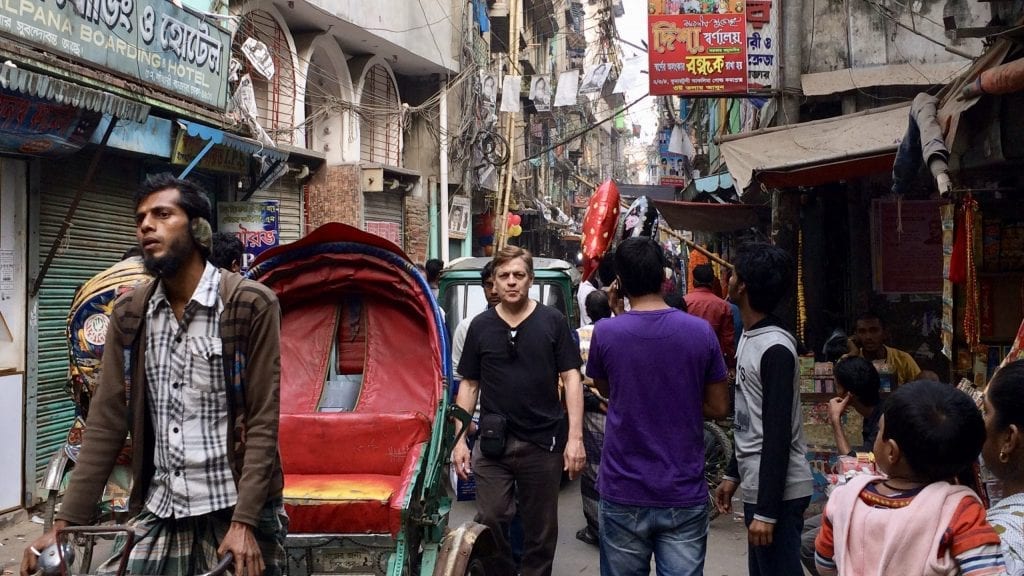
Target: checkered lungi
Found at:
x=593, y=442
x=188, y=546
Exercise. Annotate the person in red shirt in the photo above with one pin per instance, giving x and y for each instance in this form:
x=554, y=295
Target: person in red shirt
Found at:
x=702, y=302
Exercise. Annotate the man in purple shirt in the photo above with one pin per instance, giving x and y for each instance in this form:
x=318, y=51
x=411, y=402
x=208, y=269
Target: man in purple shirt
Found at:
x=662, y=371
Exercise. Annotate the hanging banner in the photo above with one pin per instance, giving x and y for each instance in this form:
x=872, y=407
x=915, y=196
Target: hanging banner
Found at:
x=698, y=54
x=255, y=224
x=763, y=39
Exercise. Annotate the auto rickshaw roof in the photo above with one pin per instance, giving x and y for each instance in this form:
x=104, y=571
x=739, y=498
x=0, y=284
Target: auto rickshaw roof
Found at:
x=540, y=264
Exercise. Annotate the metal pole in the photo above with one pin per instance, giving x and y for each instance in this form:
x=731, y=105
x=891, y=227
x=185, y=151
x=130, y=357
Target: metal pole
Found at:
x=443, y=192
x=86, y=185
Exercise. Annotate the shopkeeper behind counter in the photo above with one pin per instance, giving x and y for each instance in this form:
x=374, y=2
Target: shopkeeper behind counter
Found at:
x=869, y=339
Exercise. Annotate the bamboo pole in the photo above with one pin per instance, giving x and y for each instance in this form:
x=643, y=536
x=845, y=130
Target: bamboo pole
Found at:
x=503, y=200
x=698, y=248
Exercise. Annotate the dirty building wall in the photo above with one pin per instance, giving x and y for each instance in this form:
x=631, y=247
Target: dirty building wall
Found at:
x=855, y=34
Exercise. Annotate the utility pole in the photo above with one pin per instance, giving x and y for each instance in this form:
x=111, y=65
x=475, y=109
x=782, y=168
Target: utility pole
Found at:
x=500, y=232
x=791, y=16
x=443, y=196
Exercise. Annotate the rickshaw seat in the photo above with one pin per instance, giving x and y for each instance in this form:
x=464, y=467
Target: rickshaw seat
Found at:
x=349, y=472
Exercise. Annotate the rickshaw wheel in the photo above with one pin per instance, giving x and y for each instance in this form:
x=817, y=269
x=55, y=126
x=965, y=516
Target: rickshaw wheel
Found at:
x=476, y=567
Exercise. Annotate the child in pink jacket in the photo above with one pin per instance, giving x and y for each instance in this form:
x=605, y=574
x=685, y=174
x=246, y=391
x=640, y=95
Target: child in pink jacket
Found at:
x=914, y=521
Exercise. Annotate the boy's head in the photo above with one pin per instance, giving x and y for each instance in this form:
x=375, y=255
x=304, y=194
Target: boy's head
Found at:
x=640, y=264
x=763, y=276
x=929, y=432
x=597, y=305
x=858, y=377
x=703, y=276
x=433, y=268
x=227, y=251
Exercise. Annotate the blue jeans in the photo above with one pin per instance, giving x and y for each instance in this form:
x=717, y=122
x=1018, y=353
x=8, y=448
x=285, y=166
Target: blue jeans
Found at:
x=678, y=538
x=782, y=557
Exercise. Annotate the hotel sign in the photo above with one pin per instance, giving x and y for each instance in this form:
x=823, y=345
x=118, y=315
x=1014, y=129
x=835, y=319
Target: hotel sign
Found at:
x=150, y=41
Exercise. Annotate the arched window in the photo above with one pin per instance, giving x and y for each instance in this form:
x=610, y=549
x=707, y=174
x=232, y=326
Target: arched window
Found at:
x=275, y=98
x=380, y=119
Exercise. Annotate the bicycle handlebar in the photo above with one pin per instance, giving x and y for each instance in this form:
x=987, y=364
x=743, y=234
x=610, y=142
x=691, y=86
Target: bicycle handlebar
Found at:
x=221, y=566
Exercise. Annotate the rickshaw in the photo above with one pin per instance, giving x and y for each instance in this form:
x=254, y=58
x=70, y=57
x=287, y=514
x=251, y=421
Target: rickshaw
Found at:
x=366, y=421
x=88, y=319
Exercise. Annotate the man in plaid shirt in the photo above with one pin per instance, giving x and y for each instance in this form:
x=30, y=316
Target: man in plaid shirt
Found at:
x=191, y=369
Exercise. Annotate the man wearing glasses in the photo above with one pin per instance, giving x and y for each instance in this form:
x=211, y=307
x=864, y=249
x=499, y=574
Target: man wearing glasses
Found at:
x=515, y=354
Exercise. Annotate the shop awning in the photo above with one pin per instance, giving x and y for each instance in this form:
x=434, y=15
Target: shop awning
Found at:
x=814, y=153
x=272, y=156
x=848, y=80
x=55, y=90
x=708, y=217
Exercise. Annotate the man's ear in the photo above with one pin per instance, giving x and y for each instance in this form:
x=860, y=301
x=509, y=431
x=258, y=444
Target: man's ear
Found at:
x=1014, y=439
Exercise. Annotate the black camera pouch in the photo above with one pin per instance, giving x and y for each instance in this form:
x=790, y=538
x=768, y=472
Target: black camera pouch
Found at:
x=492, y=435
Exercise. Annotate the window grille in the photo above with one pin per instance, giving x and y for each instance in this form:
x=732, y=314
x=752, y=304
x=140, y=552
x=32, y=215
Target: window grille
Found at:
x=380, y=119
x=275, y=98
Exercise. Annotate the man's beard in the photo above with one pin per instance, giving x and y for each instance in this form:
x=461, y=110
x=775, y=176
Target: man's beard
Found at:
x=169, y=264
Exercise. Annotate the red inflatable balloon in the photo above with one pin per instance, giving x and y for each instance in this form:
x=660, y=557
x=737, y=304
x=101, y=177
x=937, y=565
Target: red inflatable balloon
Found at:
x=599, y=225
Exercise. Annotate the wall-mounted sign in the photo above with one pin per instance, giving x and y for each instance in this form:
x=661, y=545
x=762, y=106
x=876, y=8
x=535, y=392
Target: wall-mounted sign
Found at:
x=255, y=223
x=42, y=128
x=219, y=159
x=698, y=54
x=151, y=41
x=458, y=218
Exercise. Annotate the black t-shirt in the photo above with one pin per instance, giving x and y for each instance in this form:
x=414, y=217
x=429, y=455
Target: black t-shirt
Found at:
x=521, y=384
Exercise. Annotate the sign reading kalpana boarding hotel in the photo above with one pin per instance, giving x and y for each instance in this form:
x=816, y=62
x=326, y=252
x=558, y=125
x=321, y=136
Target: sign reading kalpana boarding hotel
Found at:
x=151, y=41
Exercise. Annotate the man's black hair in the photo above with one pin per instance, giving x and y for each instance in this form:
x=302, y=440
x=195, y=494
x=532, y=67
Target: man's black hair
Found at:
x=676, y=300
x=767, y=272
x=434, y=267
x=596, y=305
x=938, y=428
x=193, y=198
x=640, y=264
x=703, y=275
x=487, y=272
x=606, y=269
x=870, y=315
x=859, y=377
x=1006, y=395
x=227, y=249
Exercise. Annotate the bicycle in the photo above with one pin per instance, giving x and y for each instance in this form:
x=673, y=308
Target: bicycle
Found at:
x=717, y=453
x=62, y=557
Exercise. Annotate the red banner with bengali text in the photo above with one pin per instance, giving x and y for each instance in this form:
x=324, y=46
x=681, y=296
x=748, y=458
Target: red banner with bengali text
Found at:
x=697, y=54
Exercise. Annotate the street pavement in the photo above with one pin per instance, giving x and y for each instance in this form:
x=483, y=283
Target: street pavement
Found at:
x=727, y=541
x=727, y=544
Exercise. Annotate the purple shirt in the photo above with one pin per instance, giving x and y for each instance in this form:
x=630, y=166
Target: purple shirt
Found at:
x=656, y=364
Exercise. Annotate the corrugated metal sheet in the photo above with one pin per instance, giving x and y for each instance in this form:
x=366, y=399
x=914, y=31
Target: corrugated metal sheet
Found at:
x=102, y=229
x=385, y=207
x=289, y=193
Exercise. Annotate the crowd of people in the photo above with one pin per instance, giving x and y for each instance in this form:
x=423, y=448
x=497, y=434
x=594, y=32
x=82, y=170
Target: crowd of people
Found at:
x=655, y=365
x=621, y=402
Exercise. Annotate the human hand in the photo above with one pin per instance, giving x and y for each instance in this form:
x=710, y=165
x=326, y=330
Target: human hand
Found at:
x=461, y=460
x=723, y=495
x=574, y=457
x=836, y=407
x=241, y=542
x=615, y=301
x=759, y=533
x=30, y=557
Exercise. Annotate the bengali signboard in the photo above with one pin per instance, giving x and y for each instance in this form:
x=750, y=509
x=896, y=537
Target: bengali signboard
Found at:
x=698, y=54
x=255, y=224
x=150, y=41
x=42, y=128
x=763, y=46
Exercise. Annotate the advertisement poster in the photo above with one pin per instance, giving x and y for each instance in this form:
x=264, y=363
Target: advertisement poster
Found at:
x=698, y=54
x=255, y=224
x=907, y=246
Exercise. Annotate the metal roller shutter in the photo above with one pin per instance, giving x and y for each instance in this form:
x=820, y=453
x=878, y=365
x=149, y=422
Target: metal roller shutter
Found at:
x=288, y=192
x=385, y=208
x=102, y=229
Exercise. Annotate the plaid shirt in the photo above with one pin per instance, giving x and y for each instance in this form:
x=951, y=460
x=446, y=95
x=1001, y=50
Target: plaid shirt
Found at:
x=188, y=404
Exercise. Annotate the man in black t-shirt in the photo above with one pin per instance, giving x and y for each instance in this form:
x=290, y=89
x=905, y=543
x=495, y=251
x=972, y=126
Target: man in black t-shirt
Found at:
x=514, y=355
